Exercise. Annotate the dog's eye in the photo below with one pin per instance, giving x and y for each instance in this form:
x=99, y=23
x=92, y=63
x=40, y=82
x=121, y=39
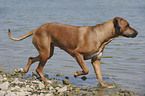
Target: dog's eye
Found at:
x=127, y=25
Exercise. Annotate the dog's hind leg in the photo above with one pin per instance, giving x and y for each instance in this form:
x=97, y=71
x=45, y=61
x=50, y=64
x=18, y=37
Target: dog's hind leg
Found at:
x=45, y=54
x=31, y=60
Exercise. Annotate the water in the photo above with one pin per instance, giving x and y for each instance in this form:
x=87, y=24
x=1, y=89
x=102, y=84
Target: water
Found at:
x=123, y=60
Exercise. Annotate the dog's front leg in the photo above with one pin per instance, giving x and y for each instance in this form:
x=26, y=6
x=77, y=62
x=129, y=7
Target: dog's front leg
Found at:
x=80, y=59
x=97, y=68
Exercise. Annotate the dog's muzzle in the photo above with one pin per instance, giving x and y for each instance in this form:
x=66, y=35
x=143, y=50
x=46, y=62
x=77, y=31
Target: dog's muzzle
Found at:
x=130, y=33
x=134, y=34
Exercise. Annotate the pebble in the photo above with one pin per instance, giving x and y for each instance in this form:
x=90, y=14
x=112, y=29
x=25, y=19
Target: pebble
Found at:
x=62, y=89
x=58, y=74
x=84, y=78
x=66, y=82
x=34, y=74
x=2, y=93
x=2, y=71
x=4, y=86
x=41, y=85
x=66, y=77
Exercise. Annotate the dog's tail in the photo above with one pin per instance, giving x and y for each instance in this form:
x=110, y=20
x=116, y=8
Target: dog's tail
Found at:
x=21, y=38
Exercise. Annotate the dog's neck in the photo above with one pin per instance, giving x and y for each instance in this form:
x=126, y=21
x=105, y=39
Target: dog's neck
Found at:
x=105, y=30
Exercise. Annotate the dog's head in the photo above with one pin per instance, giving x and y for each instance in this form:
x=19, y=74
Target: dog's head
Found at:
x=123, y=29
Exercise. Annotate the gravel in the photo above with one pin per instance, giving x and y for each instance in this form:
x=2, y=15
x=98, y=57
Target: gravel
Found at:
x=13, y=84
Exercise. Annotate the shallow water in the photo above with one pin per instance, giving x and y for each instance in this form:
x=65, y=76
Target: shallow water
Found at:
x=123, y=60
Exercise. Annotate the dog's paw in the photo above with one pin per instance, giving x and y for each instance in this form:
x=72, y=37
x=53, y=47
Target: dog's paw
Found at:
x=47, y=82
x=76, y=74
x=105, y=86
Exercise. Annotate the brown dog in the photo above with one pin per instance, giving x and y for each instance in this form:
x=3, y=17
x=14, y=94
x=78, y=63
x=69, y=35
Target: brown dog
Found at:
x=81, y=42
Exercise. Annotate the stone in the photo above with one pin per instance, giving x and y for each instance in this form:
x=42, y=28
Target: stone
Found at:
x=19, y=70
x=84, y=78
x=66, y=77
x=126, y=94
x=117, y=92
x=1, y=76
x=4, y=86
x=121, y=94
x=36, y=82
x=62, y=89
x=15, y=86
x=46, y=75
x=41, y=85
x=2, y=93
x=66, y=82
x=34, y=74
x=2, y=71
x=16, y=81
x=59, y=74
x=5, y=79
x=49, y=94
x=34, y=77
x=51, y=88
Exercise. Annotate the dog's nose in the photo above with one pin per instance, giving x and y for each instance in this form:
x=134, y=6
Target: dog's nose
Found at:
x=134, y=34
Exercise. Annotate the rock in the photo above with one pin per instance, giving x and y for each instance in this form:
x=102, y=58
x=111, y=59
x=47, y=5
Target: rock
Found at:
x=111, y=94
x=59, y=74
x=34, y=74
x=1, y=76
x=2, y=93
x=121, y=94
x=66, y=82
x=16, y=81
x=126, y=94
x=62, y=89
x=36, y=82
x=66, y=77
x=4, y=75
x=49, y=94
x=19, y=70
x=34, y=77
x=84, y=78
x=51, y=88
x=41, y=94
x=129, y=92
x=85, y=89
x=13, y=85
x=46, y=75
x=2, y=72
x=117, y=92
x=23, y=93
x=4, y=86
x=17, y=87
x=41, y=85
x=4, y=79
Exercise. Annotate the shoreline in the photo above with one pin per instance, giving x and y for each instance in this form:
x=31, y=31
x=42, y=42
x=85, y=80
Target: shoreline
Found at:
x=14, y=84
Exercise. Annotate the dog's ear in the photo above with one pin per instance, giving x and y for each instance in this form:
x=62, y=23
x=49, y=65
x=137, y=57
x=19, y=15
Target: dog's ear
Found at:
x=117, y=26
x=116, y=22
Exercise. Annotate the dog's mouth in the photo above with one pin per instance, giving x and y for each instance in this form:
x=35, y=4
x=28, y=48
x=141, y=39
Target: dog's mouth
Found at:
x=131, y=35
